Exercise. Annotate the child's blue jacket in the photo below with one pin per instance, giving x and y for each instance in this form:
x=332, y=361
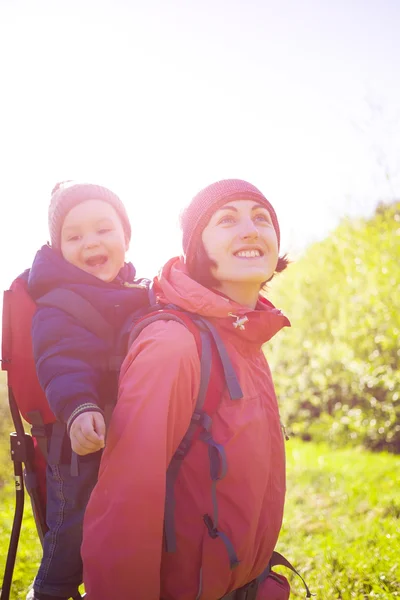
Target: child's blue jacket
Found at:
x=70, y=359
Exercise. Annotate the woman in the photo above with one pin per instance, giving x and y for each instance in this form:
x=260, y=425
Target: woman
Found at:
x=231, y=249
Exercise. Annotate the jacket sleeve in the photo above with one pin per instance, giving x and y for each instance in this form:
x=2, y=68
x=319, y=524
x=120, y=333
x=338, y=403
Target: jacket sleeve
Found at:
x=70, y=362
x=123, y=528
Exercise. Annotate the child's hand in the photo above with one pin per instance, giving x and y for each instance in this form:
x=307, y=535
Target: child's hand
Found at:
x=87, y=433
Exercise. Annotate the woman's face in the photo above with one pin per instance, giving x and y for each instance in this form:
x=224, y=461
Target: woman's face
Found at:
x=241, y=239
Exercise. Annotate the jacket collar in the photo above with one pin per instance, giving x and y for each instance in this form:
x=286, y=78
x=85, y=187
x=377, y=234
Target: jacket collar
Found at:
x=256, y=326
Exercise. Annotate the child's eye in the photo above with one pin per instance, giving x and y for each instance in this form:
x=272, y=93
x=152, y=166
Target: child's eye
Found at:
x=104, y=230
x=74, y=238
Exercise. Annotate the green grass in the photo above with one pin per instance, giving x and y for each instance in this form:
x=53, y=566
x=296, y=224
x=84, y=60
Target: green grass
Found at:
x=341, y=529
x=342, y=521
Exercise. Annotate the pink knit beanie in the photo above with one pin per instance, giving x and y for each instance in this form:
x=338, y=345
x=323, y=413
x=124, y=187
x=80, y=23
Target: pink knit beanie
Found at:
x=67, y=194
x=196, y=216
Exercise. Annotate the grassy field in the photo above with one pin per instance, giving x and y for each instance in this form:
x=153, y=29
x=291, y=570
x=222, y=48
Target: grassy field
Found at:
x=341, y=530
x=342, y=521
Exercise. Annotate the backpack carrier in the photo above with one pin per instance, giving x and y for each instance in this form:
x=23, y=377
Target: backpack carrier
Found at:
x=26, y=398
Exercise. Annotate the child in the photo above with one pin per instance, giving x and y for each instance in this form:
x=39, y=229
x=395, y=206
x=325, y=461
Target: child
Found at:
x=90, y=233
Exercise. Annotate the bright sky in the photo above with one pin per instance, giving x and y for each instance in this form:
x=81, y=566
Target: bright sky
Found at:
x=157, y=99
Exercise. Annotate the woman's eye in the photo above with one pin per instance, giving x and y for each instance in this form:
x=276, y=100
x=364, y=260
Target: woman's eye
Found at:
x=226, y=219
x=262, y=217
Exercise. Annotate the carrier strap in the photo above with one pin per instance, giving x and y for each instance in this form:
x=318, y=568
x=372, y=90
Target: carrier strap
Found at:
x=249, y=591
x=38, y=430
x=89, y=317
x=82, y=310
x=58, y=433
x=184, y=446
x=232, y=382
x=278, y=559
x=210, y=347
x=151, y=318
x=203, y=324
x=74, y=464
x=206, y=404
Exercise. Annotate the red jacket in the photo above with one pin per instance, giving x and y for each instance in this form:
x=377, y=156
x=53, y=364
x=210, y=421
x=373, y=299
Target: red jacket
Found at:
x=122, y=548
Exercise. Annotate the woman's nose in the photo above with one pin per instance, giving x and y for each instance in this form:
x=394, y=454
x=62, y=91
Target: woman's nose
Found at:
x=249, y=229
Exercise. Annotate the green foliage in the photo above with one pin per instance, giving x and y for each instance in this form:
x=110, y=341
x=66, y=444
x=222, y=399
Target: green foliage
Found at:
x=337, y=369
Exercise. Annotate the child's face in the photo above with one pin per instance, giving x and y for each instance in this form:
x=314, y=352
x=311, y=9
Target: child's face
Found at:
x=93, y=239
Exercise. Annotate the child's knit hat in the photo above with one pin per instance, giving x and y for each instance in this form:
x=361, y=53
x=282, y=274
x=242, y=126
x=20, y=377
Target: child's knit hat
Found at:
x=67, y=194
x=196, y=216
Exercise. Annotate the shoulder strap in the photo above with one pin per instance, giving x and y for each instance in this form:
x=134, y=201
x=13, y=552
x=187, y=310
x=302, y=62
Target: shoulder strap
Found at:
x=82, y=310
x=217, y=367
x=232, y=383
x=205, y=352
x=195, y=322
x=214, y=360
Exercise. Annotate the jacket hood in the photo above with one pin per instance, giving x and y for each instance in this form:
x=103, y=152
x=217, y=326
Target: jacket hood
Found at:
x=174, y=286
x=50, y=269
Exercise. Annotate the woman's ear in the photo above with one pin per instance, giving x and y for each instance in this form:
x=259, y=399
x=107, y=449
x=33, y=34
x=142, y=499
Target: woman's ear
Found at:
x=126, y=244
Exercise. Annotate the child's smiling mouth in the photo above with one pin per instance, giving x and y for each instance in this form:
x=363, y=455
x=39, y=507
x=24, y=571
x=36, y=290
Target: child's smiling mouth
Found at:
x=96, y=261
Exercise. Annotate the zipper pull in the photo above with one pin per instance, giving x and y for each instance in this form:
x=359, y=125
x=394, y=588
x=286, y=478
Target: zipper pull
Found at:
x=240, y=321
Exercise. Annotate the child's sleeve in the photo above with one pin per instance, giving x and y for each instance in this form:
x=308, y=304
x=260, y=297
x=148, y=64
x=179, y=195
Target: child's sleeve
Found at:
x=71, y=363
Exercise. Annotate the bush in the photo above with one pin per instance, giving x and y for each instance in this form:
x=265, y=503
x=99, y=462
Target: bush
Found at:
x=337, y=370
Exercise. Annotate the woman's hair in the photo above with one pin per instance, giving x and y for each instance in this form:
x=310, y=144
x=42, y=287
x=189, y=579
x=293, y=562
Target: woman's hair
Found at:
x=201, y=265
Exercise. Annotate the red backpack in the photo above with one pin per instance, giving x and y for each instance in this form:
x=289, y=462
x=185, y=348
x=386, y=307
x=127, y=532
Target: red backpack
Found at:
x=27, y=399
x=17, y=352
x=24, y=391
x=26, y=396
